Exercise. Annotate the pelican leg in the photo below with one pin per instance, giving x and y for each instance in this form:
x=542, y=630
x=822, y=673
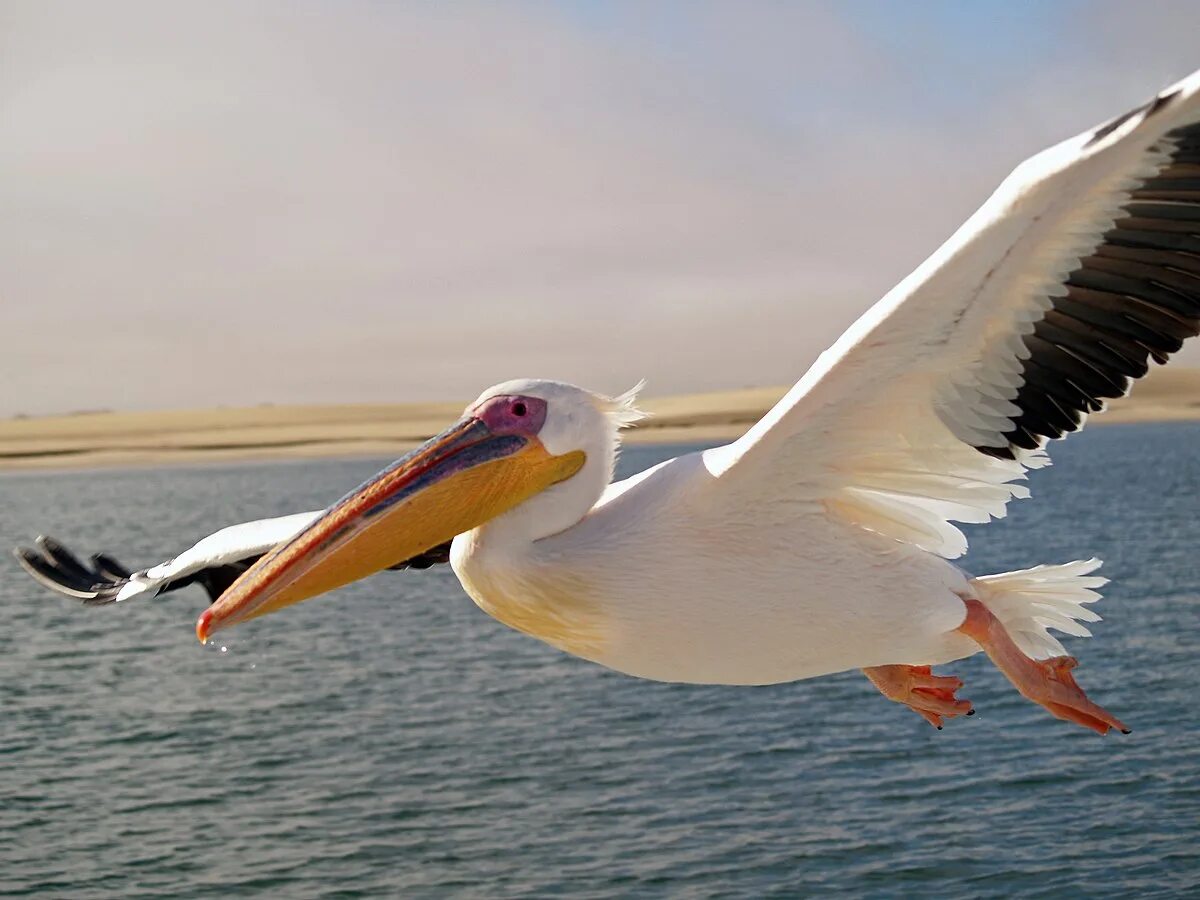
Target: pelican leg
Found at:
x=1047, y=682
x=930, y=696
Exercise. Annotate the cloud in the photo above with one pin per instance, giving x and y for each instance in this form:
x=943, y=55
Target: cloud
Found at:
x=228, y=203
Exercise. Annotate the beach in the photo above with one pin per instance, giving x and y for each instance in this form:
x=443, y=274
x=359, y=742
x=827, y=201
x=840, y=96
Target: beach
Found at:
x=104, y=438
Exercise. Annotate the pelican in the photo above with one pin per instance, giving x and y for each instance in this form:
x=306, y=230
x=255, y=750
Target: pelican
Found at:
x=822, y=540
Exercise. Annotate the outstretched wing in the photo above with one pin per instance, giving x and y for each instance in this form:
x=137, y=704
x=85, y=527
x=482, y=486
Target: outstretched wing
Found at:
x=214, y=563
x=1083, y=266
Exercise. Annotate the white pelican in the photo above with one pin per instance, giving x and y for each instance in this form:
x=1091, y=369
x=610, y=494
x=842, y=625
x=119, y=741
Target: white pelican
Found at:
x=821, y=540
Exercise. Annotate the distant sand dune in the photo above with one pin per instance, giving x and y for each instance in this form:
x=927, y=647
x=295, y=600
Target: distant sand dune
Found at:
x=284, y=432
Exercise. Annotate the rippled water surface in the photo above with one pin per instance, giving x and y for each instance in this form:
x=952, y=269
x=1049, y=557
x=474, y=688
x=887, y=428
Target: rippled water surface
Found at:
x=392, y=740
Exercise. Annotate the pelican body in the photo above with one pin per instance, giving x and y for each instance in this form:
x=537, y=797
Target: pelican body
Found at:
x=671, y=576
x=822, y=540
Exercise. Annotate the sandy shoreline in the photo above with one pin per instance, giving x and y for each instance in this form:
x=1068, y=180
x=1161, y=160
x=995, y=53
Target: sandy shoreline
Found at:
x=89, y=440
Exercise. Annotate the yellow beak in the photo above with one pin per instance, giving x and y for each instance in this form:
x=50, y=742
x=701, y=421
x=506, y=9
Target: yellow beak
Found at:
x=456, y=481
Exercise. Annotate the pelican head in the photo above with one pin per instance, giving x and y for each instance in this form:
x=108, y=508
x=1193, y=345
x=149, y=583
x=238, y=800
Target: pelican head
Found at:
x=531, y=450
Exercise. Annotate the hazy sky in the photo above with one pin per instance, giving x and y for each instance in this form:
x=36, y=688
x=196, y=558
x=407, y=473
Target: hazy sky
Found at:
x=229, y=203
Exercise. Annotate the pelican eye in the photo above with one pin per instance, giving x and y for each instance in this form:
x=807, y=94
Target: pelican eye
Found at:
x=512, y=414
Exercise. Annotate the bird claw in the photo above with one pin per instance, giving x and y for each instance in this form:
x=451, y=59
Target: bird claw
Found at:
x=930, y=696
x=1047, y=682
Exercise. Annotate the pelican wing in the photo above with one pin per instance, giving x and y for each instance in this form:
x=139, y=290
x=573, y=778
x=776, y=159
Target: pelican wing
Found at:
x=214, y=563
x=1053, y=297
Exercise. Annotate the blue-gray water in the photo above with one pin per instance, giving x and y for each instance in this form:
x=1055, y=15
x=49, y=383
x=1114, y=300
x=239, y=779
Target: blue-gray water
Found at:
x=391, y=740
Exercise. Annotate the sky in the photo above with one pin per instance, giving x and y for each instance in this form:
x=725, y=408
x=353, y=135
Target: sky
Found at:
x=226, y=203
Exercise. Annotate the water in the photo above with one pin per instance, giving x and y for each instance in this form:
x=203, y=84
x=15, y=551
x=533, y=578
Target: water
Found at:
x=393, y=740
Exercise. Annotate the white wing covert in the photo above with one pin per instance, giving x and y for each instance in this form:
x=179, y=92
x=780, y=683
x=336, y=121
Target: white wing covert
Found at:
x=214, y=562
x=1082, y=266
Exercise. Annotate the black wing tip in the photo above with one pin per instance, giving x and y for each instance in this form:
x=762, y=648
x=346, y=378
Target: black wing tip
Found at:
x=27, y=559
x=53, y=547
x=1006, y=452
x=53, y=566
x=99, y=583
x=1147, y=109
x=1161, y=100
x=109, y=567
x=1132, y=301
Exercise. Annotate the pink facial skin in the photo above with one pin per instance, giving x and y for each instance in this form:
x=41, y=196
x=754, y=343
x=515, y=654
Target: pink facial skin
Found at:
x=512, y=414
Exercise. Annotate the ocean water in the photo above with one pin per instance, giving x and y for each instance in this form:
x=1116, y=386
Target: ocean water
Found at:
x=392, y=740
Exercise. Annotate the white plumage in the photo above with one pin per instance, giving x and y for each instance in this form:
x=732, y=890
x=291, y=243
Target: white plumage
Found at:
x=229, y=545
x=820, y=541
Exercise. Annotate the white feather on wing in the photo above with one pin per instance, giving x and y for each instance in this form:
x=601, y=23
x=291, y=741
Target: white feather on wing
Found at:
x=1082, y=265
x=229, y=545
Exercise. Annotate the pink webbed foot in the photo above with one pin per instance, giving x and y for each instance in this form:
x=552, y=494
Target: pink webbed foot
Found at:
x=930, y=696
x=1047, y=682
